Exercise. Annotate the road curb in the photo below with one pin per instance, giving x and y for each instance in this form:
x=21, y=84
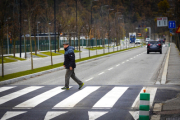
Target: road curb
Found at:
x=164, y=74
x=13, y=80
x=160, y=70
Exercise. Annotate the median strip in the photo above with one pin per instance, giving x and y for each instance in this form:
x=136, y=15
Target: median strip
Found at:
x=14, y=77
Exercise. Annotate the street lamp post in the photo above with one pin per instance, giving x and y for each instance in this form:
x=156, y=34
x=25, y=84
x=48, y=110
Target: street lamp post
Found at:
x=49, y=36
x=109, y=28
x=7, y=35
x=24, y=41
x=38, y=34
x=122, y=18
x=55, y=23
x=116, y=30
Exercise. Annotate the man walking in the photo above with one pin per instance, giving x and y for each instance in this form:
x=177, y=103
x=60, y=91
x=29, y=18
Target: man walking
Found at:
x=69, y=64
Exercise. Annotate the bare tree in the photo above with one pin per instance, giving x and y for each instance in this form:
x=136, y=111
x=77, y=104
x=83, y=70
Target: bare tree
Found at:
x=46, y=17
x=31, y=6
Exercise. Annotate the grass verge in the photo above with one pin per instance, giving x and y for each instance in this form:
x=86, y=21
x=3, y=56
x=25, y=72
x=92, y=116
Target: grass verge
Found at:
x=94, y=48
x=21, y=59
x=39, y=55
x=27, y=72
x=49, y=53
x=62, y=51
x=6, y=60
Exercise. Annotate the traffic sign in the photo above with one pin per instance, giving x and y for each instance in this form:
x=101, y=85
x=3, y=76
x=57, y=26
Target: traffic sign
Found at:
x=172, y=24
x=170, y=30
x=178, y=30
x=162, y=21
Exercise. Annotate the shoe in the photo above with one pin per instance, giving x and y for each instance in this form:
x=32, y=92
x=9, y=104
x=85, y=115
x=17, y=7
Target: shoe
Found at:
x=80, y=86
x=65, y=88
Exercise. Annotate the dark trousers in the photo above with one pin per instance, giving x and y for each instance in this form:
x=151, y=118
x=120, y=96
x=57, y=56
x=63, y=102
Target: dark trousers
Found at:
x=70, y=73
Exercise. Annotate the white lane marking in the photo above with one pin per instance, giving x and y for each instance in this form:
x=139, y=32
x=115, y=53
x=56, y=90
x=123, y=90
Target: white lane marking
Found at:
x=127, y=60
x=52, y=114
x=6, y=88
x=39, y=99
x=10, y=114
x=93, y=115
x=108, y=100
x=136, y=103
x=89, y=79
x=123, y=62
x=135, y=114
x=110, y=68
x=131, y=58
x=117, y=65
x=101, y=73
x=151, y=91
x=17, y=94
x=72, y=100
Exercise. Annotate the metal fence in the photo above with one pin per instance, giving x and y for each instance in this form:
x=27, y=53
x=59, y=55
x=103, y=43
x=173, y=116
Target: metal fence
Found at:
x=44, y=45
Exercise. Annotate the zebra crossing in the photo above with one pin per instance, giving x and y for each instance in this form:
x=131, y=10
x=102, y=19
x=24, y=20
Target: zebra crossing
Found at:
x=50, y=102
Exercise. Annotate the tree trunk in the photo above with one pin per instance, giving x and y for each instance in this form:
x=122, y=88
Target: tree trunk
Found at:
x=35, y=39
x=50, y=46
x=79, y=46
x=2, y=51
x=30, y=41
x=14, y=47
x=58, y=42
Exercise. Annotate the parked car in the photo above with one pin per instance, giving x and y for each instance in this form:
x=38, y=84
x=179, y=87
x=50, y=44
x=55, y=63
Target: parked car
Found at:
x=137, y=41
x=162, y=41
x=154, y=46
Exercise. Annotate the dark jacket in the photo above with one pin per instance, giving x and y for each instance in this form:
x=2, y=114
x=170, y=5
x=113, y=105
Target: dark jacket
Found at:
x=69, y=57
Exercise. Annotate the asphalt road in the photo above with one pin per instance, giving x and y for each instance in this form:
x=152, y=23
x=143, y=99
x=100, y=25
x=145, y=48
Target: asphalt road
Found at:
x=112, y=86
x=18, y=66
x=134, y=67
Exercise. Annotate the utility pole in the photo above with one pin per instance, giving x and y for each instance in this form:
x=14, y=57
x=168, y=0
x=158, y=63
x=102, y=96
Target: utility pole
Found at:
x=76, y=25
x=55, y=23
x=20, y=28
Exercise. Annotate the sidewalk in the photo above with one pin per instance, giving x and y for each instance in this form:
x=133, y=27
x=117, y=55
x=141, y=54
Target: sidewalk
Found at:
x=173, y=75
x=170, y=109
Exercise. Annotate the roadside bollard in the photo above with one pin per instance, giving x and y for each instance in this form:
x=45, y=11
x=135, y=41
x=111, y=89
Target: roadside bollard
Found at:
x=144, y=106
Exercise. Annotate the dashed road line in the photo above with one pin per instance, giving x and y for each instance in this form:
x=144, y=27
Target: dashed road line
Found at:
x=110, y=68
x=117, y=65
x=89, y=79
x=101, y=73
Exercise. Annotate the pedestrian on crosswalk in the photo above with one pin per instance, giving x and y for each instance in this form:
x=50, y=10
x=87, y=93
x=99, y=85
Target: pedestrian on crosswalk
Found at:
x=70, y=65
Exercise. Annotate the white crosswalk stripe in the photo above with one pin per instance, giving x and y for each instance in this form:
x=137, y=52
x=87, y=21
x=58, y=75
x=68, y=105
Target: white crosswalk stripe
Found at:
x=39, y=99
x=5, y=88
x=52, y=114
x=17, y=94
x=108, y=100
x=100, y=107
x=11, y=114
x=76, y=97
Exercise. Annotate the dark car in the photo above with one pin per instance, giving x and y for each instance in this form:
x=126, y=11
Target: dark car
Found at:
x=162, y=41
x=154, y=46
